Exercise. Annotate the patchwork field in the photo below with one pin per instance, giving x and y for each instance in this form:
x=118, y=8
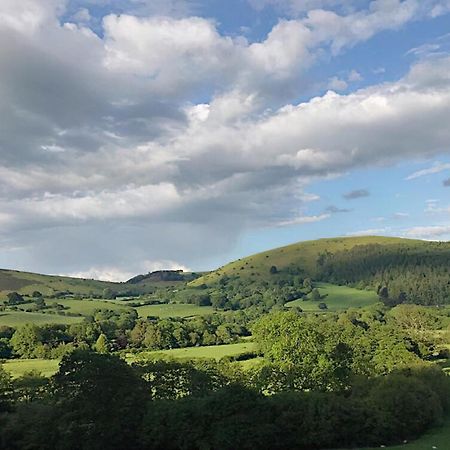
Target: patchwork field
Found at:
x=173, y=310
x=19, y=367
x=87, y=307
x=336, y=298
x=18, y=318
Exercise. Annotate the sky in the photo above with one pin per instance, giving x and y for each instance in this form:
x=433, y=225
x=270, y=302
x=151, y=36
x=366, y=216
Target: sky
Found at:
x=138, y=135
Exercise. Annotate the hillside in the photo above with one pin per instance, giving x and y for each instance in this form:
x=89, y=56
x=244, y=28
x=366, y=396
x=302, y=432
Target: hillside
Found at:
x=50, y=285
x=26, y=283
x=302, y=255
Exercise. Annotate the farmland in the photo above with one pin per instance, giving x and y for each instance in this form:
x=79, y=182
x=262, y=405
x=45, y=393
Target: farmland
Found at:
x=336, y=298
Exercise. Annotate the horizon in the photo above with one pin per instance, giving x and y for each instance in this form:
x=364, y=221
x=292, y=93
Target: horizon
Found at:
x=212, y=269
x=141, y=135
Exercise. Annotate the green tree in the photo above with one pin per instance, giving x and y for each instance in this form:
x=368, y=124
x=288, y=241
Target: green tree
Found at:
x=102, y=345
x=27, y=340
x=101, y=401
x=14, y=298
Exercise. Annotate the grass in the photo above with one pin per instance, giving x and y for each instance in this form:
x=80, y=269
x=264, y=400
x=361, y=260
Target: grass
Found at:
x=211, y=351
x=337, y=298
x=18, y=318
x=48, y=367
x=173, y=310
x=301, y=254
x=19, y=367
x=437, y=438
x=87, y=307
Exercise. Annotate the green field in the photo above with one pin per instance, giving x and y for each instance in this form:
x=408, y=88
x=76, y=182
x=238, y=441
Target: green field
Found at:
x=87, y=307
x=18, y=367
x=438, y=438
x=173, y=310
x=17, y=318
x=302, y=254
x=336, y=298
x=47, y=367
x=210, y=351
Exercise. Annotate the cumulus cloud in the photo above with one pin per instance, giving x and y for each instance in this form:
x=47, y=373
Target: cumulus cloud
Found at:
x=163, y=138
x=357, y=193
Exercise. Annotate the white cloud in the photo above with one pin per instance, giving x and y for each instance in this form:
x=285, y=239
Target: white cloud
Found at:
x=117, y=274
x=304, y=220
x=437, y=167
x=370, y=232
x=337, y=84
x=354, y=76
x=429, y=232
x=165, y=128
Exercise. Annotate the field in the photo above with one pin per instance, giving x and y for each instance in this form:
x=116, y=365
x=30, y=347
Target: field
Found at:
x=17, y=318
x=47, y=367
x=173, y=310
x=18, y=367
x=301, y=254
x=87, y=307
x=212, y=351
x=437, y=438
x=337, y=298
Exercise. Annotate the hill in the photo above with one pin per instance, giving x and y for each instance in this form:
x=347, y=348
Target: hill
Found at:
x=26, y=283
x=398, y=270
x=303, y=255
x=60, y=286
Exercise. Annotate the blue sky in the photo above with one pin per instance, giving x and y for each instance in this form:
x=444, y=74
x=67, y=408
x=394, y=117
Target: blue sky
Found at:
x=146, y=134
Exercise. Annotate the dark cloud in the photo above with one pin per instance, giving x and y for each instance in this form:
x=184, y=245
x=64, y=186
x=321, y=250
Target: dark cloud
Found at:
x=335, y=210
x=357, y=193
x=446, y=182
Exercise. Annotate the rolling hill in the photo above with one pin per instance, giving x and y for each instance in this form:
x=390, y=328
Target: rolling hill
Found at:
x=301, y=254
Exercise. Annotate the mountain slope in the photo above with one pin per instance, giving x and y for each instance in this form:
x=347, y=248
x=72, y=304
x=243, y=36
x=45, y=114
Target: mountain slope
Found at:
x=302, y=254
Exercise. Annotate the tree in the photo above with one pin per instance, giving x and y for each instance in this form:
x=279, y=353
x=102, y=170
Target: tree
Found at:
x=27, y=340
x=14, y=298
x=323, y=306
x=6, y=390
x=101, y=345
x=109, y=294
x=101, y=401
x=315, y=294
x=273, y=270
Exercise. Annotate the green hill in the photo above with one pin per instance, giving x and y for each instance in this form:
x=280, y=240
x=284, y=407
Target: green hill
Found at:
x=26, y=283
x=301, y=254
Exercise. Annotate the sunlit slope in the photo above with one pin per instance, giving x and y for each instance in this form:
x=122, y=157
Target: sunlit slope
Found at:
x=302, y=254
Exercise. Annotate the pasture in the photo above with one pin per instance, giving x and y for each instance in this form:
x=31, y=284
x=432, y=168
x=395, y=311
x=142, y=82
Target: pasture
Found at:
x=437, y=438
x=207, y=352
x=19, y=367
x=18, y=318
x=336, y=298
x=173, y=310
x=87, y=307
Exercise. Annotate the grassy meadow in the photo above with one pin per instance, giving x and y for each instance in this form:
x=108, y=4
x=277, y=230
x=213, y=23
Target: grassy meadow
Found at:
x=19, y=367
x=173, y=310
x=18, y=318
x=336, y=298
